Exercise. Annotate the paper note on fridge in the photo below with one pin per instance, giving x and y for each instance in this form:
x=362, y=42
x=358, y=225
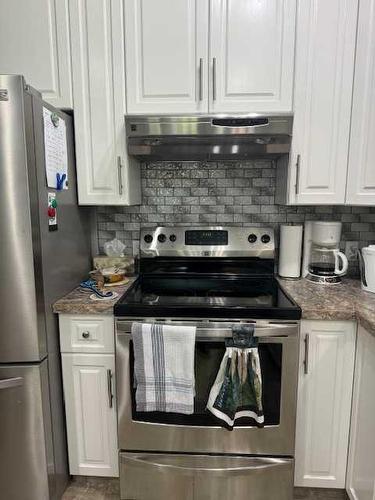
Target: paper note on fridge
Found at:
x=56, y=152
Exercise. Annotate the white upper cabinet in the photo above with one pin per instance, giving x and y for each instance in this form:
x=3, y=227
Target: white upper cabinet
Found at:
x=324, y=402
x=325, y=47
x=361, y=173
x=251, y=55
x=200, y=56
x=166, y=56
x=106, y=176
x=34, y=41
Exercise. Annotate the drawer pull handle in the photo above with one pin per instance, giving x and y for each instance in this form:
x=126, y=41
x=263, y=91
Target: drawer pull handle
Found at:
x=85, y=335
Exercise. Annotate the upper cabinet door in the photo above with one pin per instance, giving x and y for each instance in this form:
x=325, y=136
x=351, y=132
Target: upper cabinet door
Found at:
x=251, y=55
x=361, y=173
x=106, y=176
x=166, y=56
x=325, y=46
x=34, y=41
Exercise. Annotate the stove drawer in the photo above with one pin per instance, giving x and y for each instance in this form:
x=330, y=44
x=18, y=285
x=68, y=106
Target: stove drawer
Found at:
x=147, y=476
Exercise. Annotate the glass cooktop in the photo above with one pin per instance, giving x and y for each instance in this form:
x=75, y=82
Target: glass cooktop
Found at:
x=240, y=297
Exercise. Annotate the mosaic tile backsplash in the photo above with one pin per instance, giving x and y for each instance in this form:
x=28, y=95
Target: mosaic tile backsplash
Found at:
x=233, y=193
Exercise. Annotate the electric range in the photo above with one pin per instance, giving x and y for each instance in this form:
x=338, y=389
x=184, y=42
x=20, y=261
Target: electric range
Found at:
x=212, y=278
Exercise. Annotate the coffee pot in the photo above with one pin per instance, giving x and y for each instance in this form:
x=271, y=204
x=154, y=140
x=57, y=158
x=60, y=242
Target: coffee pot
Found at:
x=323, y=261
x=327, y=261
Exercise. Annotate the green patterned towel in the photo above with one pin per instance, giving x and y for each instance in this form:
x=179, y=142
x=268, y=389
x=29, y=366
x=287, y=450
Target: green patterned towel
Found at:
x=237, y=390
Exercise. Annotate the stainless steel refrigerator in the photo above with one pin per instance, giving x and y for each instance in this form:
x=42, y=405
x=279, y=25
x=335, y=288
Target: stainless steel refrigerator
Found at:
x=37, y=266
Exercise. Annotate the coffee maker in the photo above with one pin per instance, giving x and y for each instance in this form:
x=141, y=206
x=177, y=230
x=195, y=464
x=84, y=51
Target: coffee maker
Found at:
x=322, y=260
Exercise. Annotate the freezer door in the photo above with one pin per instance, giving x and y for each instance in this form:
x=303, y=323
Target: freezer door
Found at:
x=26, y=454
x=146, y=476
x=22, y=335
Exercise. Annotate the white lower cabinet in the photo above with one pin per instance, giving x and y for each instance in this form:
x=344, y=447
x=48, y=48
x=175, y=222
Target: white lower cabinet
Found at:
x=324, y=402
x=360, y=483
x=88, y=366
x=90, y=414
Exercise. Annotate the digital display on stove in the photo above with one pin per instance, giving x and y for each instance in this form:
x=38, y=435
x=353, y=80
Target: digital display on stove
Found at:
x=200, y=237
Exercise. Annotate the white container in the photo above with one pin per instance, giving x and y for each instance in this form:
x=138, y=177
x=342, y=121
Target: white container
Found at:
x=326, y=234
x=367, y=261
x=290, y=251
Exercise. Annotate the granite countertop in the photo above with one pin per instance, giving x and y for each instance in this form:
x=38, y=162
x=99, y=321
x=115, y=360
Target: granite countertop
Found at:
x=78, y=301
x=345, y=301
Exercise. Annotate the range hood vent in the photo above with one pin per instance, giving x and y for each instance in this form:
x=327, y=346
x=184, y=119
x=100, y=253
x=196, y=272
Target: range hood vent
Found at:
x=173, y=138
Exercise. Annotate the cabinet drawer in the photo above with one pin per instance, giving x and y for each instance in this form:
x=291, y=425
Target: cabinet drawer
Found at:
x=85, y=333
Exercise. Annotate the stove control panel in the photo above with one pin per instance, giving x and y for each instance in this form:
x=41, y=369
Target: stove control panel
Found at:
x=206, y=237
x=208, y=242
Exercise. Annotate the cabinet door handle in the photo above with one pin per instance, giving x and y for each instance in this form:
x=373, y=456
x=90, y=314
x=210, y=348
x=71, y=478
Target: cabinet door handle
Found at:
x=214, y=78
x=119, y=167
x=109, y=388
x=297, y=173
x=201, y=79
x=306, y=360
x=86, y=334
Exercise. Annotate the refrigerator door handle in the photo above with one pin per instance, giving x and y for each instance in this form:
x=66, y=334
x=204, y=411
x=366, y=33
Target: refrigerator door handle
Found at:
x=8, y=383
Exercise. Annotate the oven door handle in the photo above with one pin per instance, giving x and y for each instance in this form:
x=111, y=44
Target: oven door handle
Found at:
x=219, y=465
x=215, y=332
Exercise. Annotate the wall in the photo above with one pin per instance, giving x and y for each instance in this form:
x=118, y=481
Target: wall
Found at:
x=237, y=193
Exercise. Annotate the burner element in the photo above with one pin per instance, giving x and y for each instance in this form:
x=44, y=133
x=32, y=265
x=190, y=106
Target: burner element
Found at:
x=252, y=238
x=148, y=238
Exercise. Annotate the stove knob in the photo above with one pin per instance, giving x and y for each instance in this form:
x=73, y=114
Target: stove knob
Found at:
x=266, y=238
x=172, y=238
x=162, y=238
x=148, y=238
x=252, y=238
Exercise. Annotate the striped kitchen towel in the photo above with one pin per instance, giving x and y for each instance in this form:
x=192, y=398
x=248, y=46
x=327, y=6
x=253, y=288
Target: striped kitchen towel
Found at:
x=164, y=367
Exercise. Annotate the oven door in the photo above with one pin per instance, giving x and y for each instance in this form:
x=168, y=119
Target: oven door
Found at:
x=201, y=431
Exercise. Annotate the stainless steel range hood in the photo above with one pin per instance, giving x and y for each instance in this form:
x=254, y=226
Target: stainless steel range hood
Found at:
x=208, y=137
